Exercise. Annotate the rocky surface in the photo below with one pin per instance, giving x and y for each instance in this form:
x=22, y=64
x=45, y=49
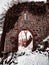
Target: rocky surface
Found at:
x=27, y=58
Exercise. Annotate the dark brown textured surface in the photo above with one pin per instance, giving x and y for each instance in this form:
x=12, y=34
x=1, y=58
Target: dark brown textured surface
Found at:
x=37, y=21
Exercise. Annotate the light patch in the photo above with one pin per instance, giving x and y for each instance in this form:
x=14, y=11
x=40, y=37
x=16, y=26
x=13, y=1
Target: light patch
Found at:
x=22, y=35
x=38, y=0
x=46, y=39
x=0, y=32
x=32, y=0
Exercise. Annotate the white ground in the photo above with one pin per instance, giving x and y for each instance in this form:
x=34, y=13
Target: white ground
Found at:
x=33, y=59
x=30, y=59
